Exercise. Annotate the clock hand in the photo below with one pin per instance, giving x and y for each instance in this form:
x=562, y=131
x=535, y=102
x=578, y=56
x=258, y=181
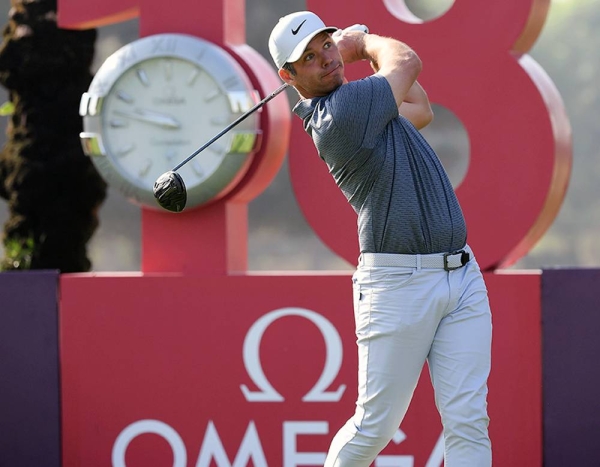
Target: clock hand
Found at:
x=149, y=116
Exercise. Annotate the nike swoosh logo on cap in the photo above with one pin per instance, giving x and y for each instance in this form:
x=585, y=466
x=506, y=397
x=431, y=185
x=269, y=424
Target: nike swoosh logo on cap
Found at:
x=295, y=31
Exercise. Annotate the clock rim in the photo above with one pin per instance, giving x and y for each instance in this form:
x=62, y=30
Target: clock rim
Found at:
x=211, y=58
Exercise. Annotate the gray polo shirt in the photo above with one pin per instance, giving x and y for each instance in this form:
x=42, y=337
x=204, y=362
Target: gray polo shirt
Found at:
x=385, y=168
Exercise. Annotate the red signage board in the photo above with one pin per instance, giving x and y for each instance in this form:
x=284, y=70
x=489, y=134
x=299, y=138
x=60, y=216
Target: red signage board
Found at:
x=258, y=370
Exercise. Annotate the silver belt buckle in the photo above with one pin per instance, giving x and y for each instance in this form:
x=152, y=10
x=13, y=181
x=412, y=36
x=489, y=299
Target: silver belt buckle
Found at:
x=464, y=259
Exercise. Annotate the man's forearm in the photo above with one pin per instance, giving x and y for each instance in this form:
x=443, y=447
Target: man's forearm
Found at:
x=385, y=53
x=416, y=95
x=391, y=58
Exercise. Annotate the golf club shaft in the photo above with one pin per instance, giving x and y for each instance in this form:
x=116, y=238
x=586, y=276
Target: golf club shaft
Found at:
x=231, y=125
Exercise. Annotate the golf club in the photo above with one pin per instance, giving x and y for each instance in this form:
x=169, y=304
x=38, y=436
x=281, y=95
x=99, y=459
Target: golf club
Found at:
x=169, y=189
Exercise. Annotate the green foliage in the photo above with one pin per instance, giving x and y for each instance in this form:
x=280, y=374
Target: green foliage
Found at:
x=18, y=254
x=53, y=189
x=6, y=109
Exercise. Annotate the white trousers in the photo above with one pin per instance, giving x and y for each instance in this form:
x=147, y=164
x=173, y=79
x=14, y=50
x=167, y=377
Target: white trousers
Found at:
x=404, y=317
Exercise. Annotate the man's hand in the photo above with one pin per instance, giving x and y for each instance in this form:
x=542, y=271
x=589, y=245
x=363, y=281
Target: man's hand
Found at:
x=349, y=42
x=392, y=59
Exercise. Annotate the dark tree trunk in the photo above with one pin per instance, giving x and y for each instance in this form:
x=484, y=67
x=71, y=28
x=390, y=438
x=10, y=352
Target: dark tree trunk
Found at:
x=52, y=188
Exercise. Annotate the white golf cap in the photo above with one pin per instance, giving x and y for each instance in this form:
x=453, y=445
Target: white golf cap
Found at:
x=292, y=34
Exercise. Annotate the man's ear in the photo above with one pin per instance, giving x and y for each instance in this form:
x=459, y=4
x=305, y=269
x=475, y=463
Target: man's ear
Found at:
x=286, y=76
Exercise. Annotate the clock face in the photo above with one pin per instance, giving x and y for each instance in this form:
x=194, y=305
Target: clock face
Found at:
x=155, y=102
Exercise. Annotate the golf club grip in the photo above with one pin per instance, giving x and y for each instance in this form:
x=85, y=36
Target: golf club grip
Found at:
x=240, y=119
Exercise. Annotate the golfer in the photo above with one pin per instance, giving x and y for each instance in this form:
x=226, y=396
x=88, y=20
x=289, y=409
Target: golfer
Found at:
x=419, y=294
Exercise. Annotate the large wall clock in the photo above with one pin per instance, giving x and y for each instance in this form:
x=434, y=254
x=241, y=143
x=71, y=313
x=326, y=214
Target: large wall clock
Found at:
x=154, y=102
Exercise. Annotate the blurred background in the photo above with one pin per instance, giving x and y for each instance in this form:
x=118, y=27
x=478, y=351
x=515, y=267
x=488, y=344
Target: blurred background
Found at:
x=280, y=238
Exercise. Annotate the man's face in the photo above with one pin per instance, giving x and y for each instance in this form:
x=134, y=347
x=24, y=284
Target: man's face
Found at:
x=320, y=69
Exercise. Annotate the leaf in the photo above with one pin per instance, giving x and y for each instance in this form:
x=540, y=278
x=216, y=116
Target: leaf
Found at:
x=7, y=109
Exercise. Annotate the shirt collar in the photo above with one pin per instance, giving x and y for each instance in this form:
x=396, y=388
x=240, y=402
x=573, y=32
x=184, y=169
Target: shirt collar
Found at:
x=305, y=107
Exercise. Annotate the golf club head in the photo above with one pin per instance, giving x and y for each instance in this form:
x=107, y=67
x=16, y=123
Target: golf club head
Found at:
x=169, y=191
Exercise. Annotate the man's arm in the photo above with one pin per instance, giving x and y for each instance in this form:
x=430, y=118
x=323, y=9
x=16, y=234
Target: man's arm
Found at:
x=416, y=107
x=398, y=63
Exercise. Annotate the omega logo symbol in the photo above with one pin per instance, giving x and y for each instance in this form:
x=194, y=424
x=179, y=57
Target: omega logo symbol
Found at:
x=333, y=359
x=169, y=97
